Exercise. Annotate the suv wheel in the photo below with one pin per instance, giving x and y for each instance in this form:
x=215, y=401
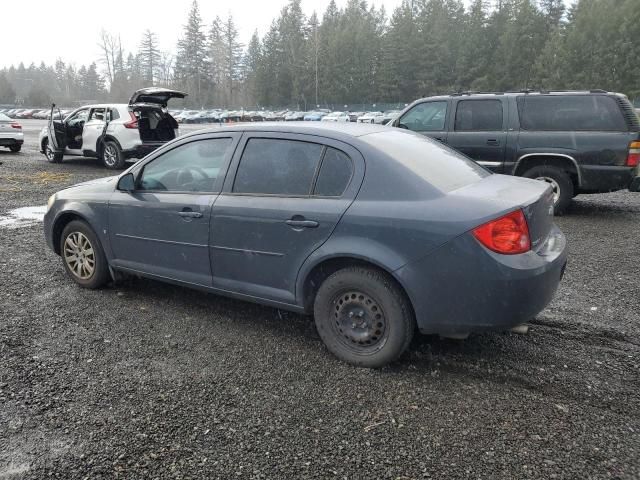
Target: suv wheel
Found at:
x=112, y=156
x=15, y=148
x=559, y=181
x=82, y=255
x=363, y=317
x=52, y=157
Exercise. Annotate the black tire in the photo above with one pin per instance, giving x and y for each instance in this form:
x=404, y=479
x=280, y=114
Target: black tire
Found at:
x=50, y=155
x=112, y=156
x=75, y=231
x=560, y=182
x=363, y=317
x=15, y=148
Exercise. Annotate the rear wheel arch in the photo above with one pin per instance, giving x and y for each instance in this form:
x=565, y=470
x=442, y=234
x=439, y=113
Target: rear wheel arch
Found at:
x=327, y=267
x=101, y=141
x=564, y=162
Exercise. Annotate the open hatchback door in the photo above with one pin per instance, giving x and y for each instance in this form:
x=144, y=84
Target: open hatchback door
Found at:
x=157, y=96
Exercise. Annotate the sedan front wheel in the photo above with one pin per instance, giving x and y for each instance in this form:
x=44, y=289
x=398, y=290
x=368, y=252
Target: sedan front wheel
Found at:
x=82, y=255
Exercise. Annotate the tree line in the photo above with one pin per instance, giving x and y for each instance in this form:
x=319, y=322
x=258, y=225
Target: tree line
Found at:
x=361, y=54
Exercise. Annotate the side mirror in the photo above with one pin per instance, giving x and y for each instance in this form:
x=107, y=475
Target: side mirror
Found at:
x=127, y=183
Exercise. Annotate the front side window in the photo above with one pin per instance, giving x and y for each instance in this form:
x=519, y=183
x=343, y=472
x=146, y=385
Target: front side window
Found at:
x=77, y=118
x=479, y=116
x=425, y=117
x=272, y=166
x=191, y=167
x=570, y=113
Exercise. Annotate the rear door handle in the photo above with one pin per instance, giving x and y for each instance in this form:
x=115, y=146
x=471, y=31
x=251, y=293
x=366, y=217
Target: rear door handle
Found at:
x=493, y=141
x=302, y=223
x=190, y=214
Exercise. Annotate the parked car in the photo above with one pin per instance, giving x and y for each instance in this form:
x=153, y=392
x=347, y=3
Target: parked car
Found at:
x=577, y=142
x=372, y=229
x=113, y=132
x=337, y=117
x=389, y=116
x=371, y=117
x=11, y=135
x=295, y=116
x=315, y=116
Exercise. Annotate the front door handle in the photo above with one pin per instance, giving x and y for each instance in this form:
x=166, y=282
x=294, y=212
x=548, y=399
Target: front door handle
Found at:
x=493, y=142
x=302, y=223
x=190, y=214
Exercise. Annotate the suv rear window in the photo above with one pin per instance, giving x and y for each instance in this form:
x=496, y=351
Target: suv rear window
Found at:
x=440, y=166
x=570, y=113
x=479, y=116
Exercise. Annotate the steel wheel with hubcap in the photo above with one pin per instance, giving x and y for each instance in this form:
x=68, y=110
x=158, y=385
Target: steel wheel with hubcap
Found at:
x=559, y=181
x=82, y=255
x=363, y=316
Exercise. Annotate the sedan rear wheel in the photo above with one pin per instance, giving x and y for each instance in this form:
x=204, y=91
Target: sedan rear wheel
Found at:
x=363, y=317
x=82, y=255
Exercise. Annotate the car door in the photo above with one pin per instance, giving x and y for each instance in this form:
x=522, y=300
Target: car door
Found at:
x=284, y=199
x=162, y=226
x=427, y=118
x=479, y=131
x=93, y=130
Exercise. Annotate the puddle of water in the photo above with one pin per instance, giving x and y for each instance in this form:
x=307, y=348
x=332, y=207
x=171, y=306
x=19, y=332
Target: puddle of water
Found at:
x=23, y=217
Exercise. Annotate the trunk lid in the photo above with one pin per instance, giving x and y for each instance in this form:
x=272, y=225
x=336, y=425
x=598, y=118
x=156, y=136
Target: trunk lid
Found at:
x=506, y=194
x=154, y=96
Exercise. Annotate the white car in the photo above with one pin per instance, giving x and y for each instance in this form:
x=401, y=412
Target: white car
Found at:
x=336, y=117
x=10, y=134
x=113, y=133
x=371, y=117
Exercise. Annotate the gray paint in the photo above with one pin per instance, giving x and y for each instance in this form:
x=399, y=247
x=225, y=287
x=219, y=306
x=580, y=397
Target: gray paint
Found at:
x=242, y=246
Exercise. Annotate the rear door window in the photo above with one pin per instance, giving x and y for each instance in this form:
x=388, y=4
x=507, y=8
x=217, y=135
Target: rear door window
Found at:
x=570, y=113
x=97, y=114
x=479, y=116
x=271, y=166
x=425, y=117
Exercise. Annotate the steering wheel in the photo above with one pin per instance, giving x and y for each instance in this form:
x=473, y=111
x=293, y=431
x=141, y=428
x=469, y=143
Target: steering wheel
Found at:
x=185, y=177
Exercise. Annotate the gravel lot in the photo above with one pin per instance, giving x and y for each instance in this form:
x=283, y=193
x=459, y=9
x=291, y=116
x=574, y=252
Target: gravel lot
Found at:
x=148, y=380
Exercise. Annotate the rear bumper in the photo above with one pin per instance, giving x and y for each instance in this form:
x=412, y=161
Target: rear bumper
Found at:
x=463, y=287
x=143, y=149
x=597, y=178
x=10, y=142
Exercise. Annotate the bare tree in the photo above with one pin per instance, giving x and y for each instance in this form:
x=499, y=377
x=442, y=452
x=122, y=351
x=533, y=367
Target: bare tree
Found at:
x=110, y=48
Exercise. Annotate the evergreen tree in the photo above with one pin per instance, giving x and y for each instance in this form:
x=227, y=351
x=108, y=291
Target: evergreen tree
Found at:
x=191, y=62
x=149, y=55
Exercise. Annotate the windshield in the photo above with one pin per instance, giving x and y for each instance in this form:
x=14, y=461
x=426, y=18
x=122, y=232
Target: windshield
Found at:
x=439, y=165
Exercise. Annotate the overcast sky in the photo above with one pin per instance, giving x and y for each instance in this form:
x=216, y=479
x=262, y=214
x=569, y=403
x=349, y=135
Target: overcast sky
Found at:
x=45, y=29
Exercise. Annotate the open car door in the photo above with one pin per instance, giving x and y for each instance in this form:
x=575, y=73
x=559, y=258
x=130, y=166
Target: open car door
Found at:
x=57, y=134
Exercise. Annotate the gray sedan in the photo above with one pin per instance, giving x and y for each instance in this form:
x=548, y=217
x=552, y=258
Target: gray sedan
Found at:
x=373, y=230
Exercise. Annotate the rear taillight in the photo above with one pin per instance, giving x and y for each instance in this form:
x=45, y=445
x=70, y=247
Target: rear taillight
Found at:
x=133, y=123
x=16, y=125
x=508, y=235
x=633, y=158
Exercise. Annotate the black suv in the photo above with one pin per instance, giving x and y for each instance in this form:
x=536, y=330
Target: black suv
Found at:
x=578, y=141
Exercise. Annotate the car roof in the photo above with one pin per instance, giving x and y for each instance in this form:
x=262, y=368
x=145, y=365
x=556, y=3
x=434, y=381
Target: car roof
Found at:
x=517, y=94
x=309, y=128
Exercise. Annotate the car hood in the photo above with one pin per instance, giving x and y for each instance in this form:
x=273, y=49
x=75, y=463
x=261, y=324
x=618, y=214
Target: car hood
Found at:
x=95, y=183
x=155, y=95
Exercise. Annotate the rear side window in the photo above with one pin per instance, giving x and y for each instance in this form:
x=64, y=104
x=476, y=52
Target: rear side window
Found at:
x=440, y=166
x=271, y=166
x=479, y=116
x=115, y=115
x=570, y=113
x=335, y=173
